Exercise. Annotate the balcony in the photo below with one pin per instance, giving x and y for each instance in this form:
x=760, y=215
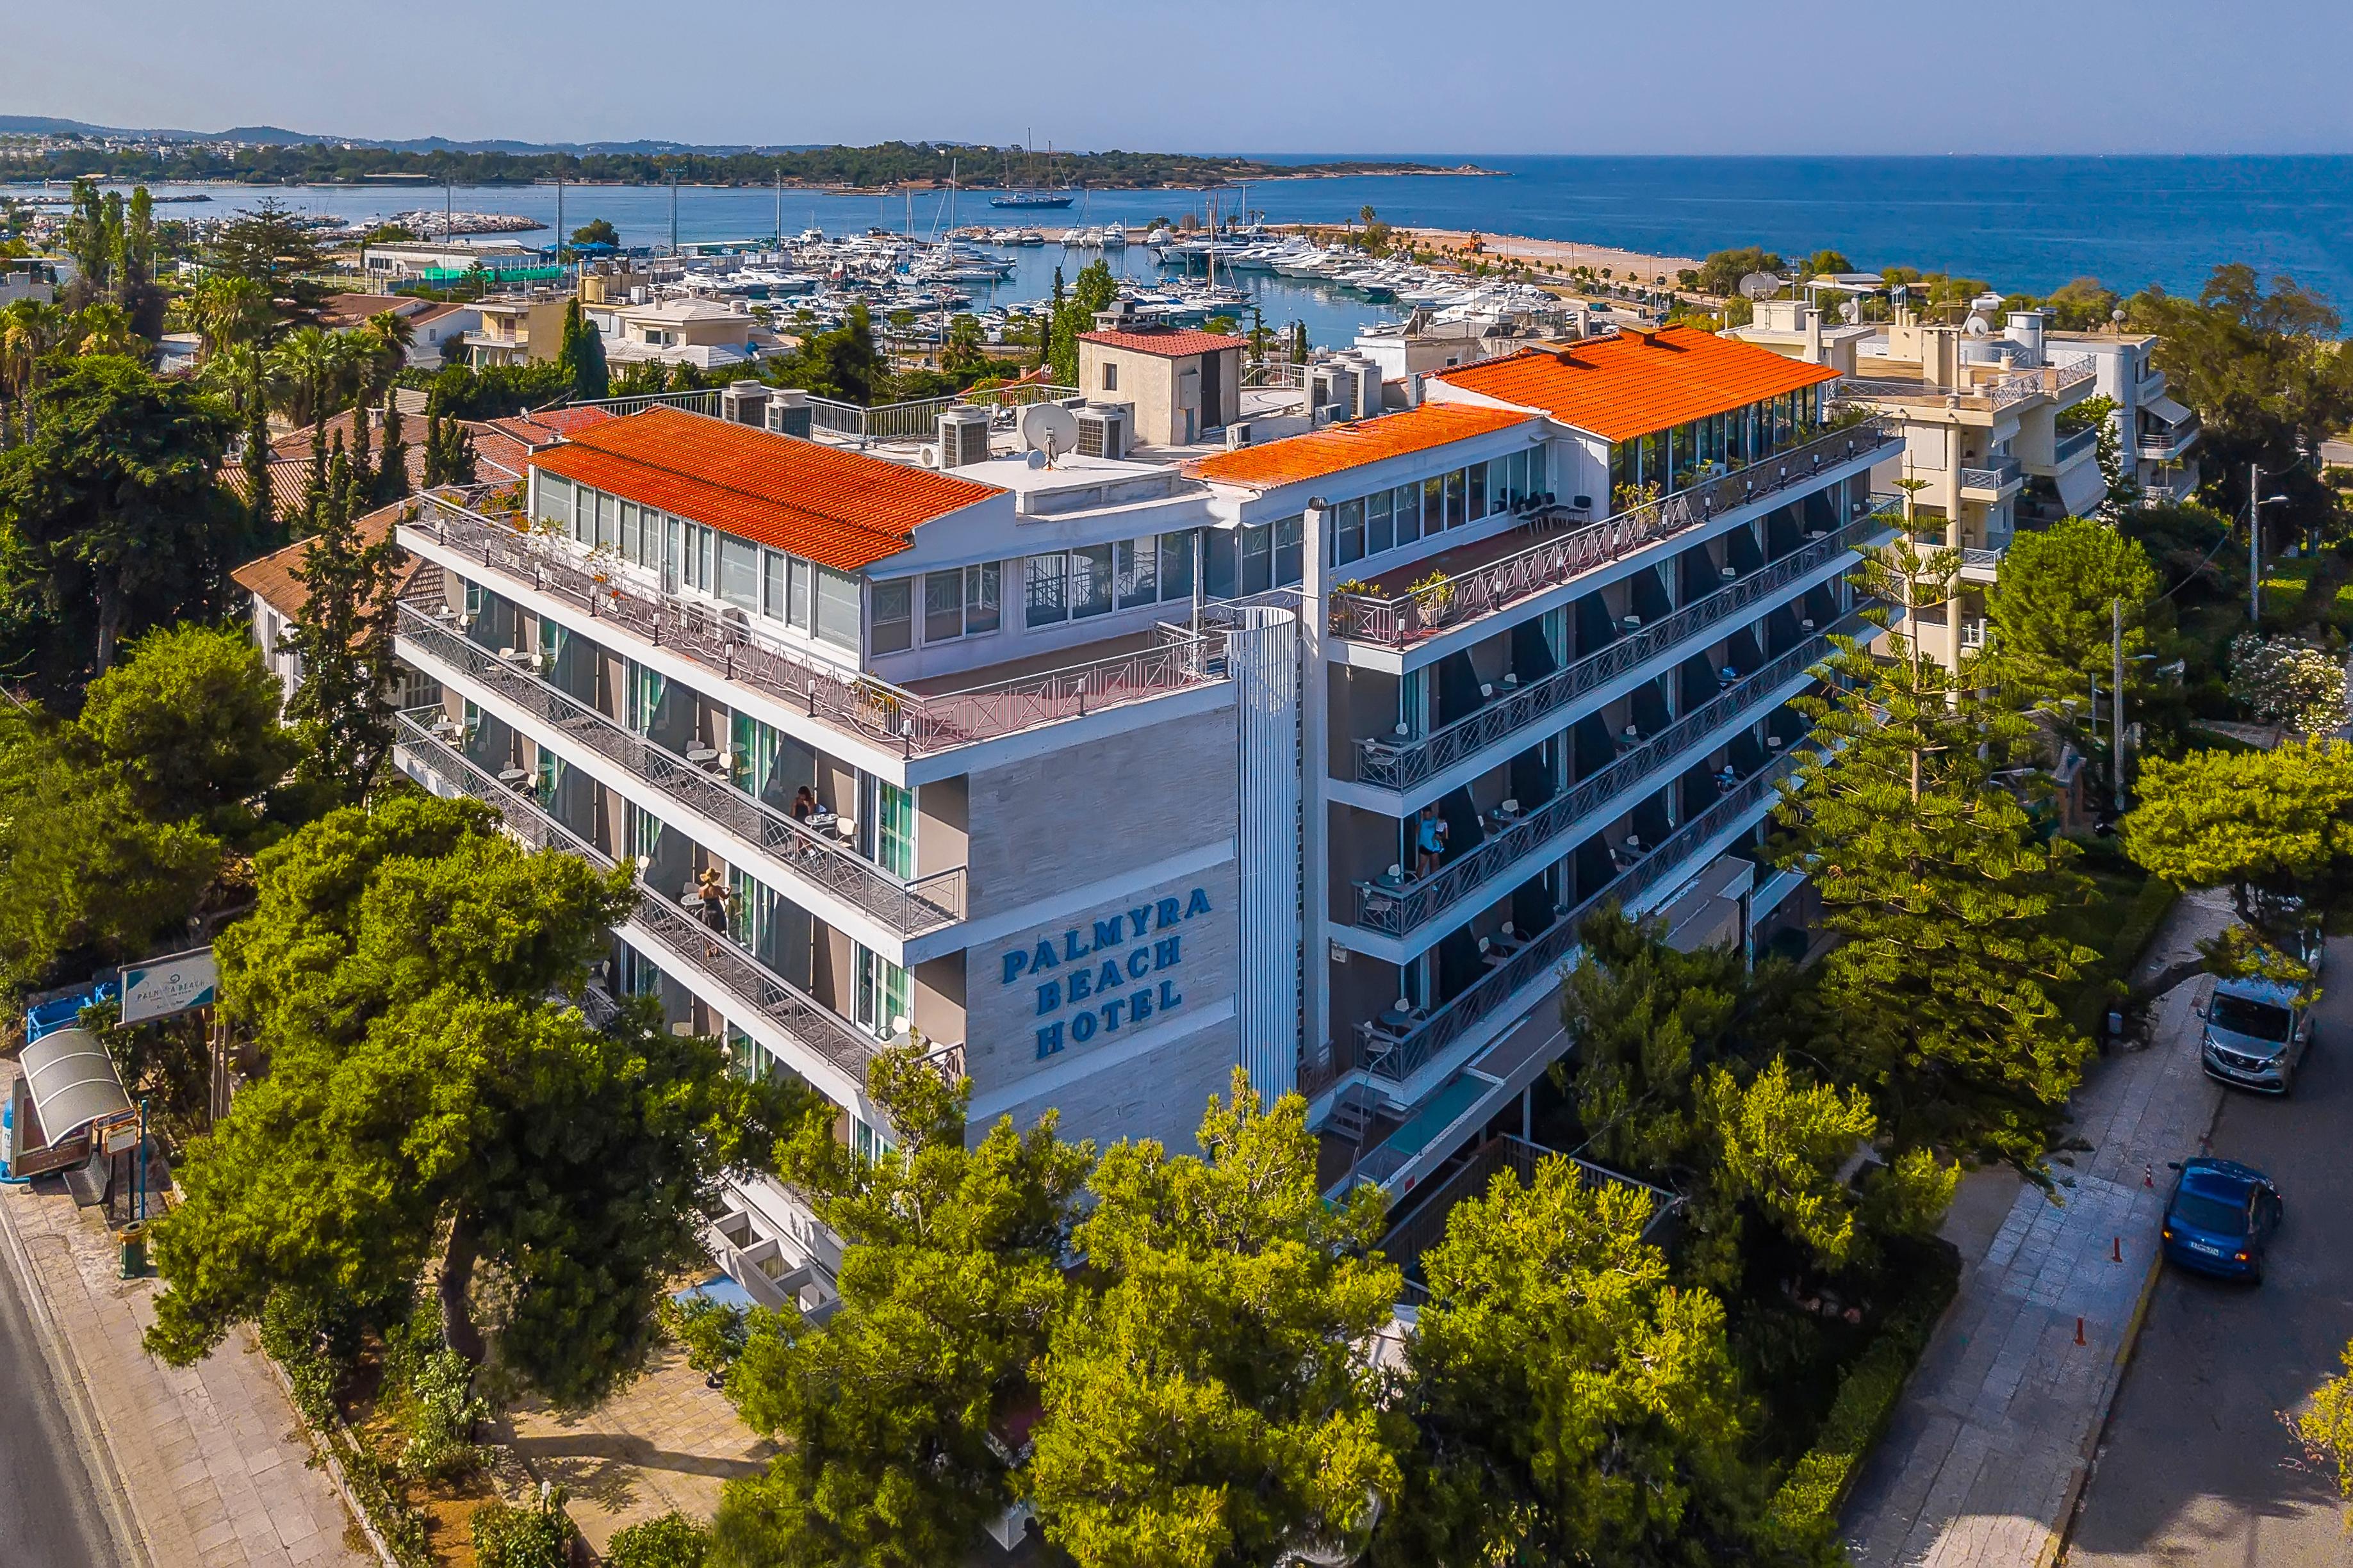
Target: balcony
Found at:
x=2163, y=444
x=1982, y=565
x=1997, y=478
x=909, y=909
x=1397, y=908
x=1402, y=765
x=1988, y=388
x=722, y=641
x=684, y=942
x=1471, y=591
x=1395, y=1056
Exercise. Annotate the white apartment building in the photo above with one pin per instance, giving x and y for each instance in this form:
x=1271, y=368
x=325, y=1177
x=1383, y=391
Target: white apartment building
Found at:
x=1104, y=773
x=1977, y=413
x=2155, y=432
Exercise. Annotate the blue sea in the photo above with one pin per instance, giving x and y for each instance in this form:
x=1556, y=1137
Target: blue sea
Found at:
x=2023, y=224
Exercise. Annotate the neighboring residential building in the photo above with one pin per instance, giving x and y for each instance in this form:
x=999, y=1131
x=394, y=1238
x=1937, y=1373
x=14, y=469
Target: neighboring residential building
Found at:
x=1178, y=384
x=26, y=280
x=1979, y=415
x=690, y=332
x=433, y=324
x=517, y=329
x=2157, y=435
x=431, y=260
x=277, y=597
x=1422, y=345
x=1120, y=761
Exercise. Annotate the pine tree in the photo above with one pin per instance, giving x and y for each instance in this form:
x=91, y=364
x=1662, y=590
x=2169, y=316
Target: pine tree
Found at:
x=362, y=439
x=1931, y=870
x=582, y=355
x=433, y=452
x=457, y=453
x=342, y=636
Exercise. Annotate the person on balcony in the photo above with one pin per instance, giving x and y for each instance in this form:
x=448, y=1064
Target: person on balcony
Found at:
x=1429, y=841
x=710, y=888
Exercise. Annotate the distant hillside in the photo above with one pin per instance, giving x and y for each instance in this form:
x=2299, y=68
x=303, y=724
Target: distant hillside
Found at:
x=297, y=161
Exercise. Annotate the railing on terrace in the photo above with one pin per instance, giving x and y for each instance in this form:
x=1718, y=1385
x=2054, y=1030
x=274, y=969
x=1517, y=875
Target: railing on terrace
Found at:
x=1430, y=608
x=1982, y=565
x=1992, y=476
x=1422, y=1226
x=2000, y=392
x=1395, y=909
x=918, y=419
x=685, y=941
x=703, y=401
x=1396, y=1060
x=1401, y=766
x=2067, y=447
x=909, y=907
x=1274, y=372
x=2161, y=446
x=724, y=642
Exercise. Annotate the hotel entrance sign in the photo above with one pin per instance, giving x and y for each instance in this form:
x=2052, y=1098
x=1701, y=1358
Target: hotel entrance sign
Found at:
x=159, y=987
x=1107, y=975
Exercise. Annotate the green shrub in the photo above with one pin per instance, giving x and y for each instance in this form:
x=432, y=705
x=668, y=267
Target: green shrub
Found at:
x=536, y=1536
x=1803, y=1515
x=440, y=1415
x=673, y=1540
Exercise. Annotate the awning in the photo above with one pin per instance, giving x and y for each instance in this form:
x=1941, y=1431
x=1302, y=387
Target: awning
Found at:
x=73, y=1083
x=2081, y=488
x=2164, y=408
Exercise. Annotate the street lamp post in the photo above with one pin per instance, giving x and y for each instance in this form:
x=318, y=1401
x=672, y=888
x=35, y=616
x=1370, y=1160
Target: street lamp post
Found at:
x=2255, y=543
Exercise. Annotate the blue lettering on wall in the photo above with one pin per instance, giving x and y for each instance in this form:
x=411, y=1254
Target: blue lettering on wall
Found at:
x=1084, y=997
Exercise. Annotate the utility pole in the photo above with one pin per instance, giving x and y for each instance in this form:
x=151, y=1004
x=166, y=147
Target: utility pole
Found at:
x=2116, y=702
x=559, y=221
x=673, y=214
x=2254, y=548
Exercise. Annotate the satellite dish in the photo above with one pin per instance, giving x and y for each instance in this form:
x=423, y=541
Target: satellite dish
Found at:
x=1976, y=326
x=1760, y=285
x=1049, y=427
x=1035, y=459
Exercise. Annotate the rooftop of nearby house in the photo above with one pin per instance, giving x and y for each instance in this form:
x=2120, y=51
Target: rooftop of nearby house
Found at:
x=271, y=577
x=1167, y=343
x=1638, y=381
x=1337, y=448
x=840, y=509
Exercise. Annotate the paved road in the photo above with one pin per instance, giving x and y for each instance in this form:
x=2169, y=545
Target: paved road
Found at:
x=2198, y=1467
x=48, y=1509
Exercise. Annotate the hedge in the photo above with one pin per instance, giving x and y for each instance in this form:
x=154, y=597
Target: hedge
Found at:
x=1803, y=1515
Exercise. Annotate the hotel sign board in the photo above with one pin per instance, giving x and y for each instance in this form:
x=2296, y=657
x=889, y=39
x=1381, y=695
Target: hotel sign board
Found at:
x=1112, y=974
x=159, y=987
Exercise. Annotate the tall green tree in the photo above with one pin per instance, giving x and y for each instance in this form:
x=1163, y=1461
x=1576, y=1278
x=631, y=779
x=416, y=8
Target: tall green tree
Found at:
x=313, y=371
x=343, y=634
x=2051, y=610
x=1096, y=287
x=1573, y=1405
x=1211, y=1403
x=950, y=1277
x=1931, y=872
x=582, y=355
x=271, y=245
x=110, y=517
x=2276, y=822
x=188, y=723
x=425, y=1103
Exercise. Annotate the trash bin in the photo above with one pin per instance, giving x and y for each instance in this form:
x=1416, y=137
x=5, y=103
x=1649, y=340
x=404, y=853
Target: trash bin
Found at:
x=133, y=1237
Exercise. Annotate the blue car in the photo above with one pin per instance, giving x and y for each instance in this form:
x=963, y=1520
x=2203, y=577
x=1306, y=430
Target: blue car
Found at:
x=2221, y=1218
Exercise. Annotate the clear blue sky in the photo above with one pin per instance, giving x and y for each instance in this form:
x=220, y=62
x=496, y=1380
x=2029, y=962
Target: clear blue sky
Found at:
x=1364, y=75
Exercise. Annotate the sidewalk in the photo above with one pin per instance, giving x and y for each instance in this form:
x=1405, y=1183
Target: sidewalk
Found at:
x=1982, y=1462
x=211, y=1461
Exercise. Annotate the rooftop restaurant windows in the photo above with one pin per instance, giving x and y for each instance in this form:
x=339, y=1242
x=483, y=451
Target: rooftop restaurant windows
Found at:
x=1096, y=579
x=1386, y=520
x=1679, y=457
x=960, y=602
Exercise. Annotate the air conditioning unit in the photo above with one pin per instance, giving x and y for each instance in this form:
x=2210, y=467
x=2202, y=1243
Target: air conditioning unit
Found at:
x=744, y=403
x=964, y=436
x=1102, y=430
x=1238, y=435
x=788, y=412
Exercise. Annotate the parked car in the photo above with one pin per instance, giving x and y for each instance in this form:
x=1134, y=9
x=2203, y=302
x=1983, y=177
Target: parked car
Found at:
x=2256, y=1034
x=2221, y=1218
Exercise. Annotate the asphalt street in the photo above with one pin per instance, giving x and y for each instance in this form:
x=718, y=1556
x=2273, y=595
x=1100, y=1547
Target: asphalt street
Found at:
x=2199, y=1465
x=49, y=1514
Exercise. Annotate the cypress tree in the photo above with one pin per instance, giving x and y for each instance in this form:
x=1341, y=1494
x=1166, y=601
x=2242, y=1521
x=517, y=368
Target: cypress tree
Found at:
x=343, y=637
x=391, y=470
x=362, y=439
x=433, y=474
x=258, y=500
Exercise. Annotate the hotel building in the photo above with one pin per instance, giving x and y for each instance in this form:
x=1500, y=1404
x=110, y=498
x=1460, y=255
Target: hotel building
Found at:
x=1103, y=770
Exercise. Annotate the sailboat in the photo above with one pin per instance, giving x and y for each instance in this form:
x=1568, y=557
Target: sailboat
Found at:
x=1029, y=200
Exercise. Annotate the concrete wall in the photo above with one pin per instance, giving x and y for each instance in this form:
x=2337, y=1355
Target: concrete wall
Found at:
x=1084, y=815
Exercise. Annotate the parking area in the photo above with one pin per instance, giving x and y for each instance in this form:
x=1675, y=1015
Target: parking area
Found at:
x=2198, y=1465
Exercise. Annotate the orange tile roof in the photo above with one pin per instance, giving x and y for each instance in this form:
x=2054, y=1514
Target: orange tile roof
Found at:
x=837, y=509
x=272, y=576
x=1170, y=342
x=1339, y=446
x=1625, y=386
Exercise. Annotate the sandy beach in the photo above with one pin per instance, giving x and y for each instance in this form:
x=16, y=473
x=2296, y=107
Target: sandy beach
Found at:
x=1568, y=253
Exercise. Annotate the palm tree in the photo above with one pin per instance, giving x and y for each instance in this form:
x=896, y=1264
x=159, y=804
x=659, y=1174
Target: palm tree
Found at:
x=227, y=310
x=238, y=372
x=314, y=371
x=29, y=331
x=104, y=327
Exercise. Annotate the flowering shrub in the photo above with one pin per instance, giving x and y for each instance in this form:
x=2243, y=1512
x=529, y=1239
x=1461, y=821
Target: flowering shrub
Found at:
x=2290, y=681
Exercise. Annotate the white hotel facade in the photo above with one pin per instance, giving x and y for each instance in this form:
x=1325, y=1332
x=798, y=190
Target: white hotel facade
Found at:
x=1120, y=764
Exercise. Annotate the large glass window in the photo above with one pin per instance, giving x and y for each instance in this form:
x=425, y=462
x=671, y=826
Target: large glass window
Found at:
x=1433, y=504
x=1288, y=566
x=1045, y=589
x=1090, y=581
x=1456, y=499
x=1348, y=532
x=1475, y=479
x=739, y=573
x=882, y=994
x=772, y=585
x=837, y=608
x=609, y=522
x=801, y=605
x=943, y=605
x=1381, y=525
x=1220, y=564
x=556, y=501
x=1176, y=565
x=894, y=616
x=1258, y=558
x=894, y=828
x=980, y=597
x=1136, y=565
